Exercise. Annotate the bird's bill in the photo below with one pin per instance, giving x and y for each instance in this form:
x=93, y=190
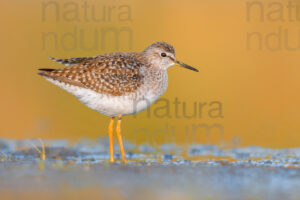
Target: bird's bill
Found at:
x=185, y=66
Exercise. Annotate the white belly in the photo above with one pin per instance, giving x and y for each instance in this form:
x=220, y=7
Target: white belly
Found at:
x=111, y=105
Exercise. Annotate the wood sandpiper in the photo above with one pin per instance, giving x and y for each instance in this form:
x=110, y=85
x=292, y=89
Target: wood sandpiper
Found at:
x=117, y=84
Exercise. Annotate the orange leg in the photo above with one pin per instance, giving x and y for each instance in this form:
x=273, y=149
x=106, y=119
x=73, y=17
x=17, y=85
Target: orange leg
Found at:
x=119, y=135
x=111, y=139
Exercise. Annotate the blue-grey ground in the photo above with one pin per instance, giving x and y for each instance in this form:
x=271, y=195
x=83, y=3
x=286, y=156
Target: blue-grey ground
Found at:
x=207, y=172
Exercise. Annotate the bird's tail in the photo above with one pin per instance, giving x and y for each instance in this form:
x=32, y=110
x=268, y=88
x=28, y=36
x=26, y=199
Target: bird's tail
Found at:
x=45, y=71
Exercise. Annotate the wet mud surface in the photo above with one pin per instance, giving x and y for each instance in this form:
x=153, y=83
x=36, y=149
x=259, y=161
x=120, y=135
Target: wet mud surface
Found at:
x=81, y=170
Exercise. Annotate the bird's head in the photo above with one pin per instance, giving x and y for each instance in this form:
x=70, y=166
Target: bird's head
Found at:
x=162, y=54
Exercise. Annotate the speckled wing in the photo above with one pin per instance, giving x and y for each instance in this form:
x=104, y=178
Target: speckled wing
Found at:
x=115, y=74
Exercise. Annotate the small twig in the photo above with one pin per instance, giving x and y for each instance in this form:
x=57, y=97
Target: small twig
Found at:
x=43, y=152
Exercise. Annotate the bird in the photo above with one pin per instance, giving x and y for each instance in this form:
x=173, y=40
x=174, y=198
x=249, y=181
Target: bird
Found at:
x=117, y=84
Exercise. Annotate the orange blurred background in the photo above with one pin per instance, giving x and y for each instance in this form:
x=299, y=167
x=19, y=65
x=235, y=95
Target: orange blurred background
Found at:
x=247, y=54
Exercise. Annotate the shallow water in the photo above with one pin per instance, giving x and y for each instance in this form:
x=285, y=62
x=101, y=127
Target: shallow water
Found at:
x=81, y=170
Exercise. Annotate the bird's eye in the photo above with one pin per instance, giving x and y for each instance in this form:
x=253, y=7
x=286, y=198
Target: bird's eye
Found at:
x=163, y=54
